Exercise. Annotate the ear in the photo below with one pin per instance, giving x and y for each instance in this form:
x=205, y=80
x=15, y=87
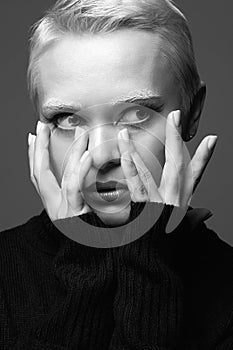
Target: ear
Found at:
x=192, y=118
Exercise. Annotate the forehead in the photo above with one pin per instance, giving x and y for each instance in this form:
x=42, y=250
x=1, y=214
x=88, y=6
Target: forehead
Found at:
x=95, y=68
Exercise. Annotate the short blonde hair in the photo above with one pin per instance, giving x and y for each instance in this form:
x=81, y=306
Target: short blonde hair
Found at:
x=105, y=16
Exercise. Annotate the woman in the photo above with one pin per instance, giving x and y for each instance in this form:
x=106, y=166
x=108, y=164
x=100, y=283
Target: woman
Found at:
x=117, y=92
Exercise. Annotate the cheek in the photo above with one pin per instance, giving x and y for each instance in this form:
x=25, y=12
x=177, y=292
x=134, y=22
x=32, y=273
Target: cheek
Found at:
x=58, y=149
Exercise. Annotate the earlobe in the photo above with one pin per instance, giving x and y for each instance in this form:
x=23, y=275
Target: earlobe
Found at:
x=193, y=116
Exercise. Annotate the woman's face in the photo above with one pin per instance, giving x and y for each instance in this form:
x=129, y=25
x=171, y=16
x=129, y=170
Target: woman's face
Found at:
x=89, y=70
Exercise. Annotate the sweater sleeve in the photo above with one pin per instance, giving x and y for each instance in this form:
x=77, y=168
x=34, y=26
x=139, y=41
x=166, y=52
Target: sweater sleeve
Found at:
x=148, y=303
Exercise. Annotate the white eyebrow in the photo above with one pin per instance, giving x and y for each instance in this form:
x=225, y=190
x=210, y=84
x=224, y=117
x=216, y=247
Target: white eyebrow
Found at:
x=136, y=95
x=54, y=105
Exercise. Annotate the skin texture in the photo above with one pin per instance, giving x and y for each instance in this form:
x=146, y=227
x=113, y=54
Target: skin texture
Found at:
x=89, y=70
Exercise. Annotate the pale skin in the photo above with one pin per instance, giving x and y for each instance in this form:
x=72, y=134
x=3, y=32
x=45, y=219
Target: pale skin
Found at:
x=61, y=193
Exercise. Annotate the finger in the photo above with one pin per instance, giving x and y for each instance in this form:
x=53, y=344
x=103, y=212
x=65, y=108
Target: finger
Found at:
x=202, y=157
x=47, y=183
x=77, y=150
x=136, y=182
x=124, y=142
x=73, y=188
x=146, y=178
x=136, y=187
x=31, y=147
x=79, y=138
x=175, y=162
x=86, y=209
x=174, y=144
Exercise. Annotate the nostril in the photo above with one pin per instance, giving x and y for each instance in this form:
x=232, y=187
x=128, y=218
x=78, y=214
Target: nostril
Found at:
x=109, y=165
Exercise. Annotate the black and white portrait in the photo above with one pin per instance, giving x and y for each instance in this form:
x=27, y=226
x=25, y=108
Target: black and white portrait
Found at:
x=116, y=175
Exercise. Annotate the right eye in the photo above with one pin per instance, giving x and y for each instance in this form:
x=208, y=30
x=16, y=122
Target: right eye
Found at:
x=67, y=121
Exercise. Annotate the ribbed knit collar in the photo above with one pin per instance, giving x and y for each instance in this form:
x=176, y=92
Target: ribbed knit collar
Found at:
x=47, y=238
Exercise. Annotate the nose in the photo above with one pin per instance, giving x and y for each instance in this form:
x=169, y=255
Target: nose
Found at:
x=103, y=146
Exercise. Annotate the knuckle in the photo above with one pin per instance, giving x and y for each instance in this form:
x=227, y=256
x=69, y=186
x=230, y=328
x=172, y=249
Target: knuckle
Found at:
x=141, y=189
x=66, y=176
x=177, y=137
x=180, y=165
x=147, y=174
x=69, y=189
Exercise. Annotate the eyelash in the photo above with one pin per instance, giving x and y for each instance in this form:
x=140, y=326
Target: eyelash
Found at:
x=54, y=119
x=54, y=122
x=148, y=105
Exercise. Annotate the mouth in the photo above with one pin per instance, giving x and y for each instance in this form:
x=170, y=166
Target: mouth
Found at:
x=109, y=191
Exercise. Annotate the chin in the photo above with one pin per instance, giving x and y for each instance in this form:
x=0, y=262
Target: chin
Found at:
x=116, y=218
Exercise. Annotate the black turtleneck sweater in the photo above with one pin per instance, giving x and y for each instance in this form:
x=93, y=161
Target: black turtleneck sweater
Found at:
x=159, y=292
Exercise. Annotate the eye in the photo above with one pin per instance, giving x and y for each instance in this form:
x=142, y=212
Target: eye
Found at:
x=136, y=115
x=67, y=121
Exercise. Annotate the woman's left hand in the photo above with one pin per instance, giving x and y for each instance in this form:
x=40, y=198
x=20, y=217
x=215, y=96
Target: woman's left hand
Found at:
x=180, y=175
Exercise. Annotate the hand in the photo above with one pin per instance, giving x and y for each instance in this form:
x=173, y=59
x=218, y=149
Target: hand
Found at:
x=65, y=201
x=180, y=176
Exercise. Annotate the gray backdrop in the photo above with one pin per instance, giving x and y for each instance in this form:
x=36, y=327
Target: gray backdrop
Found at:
x=211, y=26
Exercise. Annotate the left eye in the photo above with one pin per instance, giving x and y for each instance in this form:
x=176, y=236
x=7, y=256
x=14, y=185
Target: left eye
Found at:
x=68, y=121
x=135, y=115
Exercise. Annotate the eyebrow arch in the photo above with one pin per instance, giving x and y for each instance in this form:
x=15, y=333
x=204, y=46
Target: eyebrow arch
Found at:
x=141, y=100
x=51, y=109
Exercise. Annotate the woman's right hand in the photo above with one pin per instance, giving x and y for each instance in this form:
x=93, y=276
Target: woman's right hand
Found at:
x=66, y=200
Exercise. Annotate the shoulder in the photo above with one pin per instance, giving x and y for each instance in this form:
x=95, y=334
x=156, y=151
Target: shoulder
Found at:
x=195, y=247
x=16, y=243
x=204, y=258
x=16, y=234
x=12, y=236
x=204, y=262
x=207, y=266
x=36, y=240
x=208, y=255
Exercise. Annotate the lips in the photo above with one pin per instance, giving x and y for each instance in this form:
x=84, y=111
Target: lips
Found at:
x=100, y=193
x=106, y=186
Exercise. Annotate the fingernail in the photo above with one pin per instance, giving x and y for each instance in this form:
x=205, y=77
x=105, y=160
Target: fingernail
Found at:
x=29, y=138
x=125, y=135
x=38, y=127
x=177, y=118
x=84, y=156
x=212, y=142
